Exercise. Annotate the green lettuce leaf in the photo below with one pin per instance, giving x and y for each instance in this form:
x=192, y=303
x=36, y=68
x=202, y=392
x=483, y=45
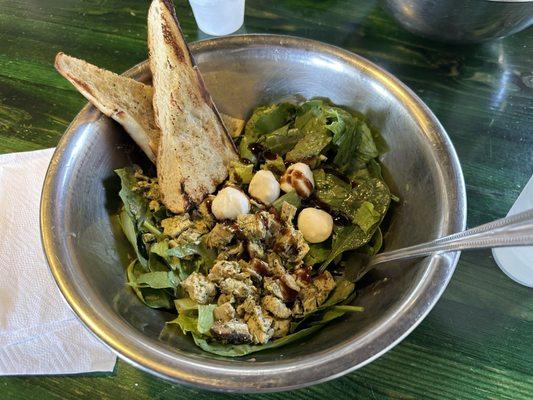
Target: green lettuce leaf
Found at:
x=290, y=197
x=315, y=139
x=311, y=121
x=346, y=137
x=282, y=140
x=185, y=304
x=276, y=166
x=268, y=119
x=366, y=148
x=366, y=216
x=264, y=120
x=205, y=317
x=240, y=172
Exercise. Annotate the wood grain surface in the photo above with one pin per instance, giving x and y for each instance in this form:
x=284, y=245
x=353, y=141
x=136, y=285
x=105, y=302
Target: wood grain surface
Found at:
x=477, y=343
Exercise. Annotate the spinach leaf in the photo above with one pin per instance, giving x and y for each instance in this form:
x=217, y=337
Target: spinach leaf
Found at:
x=318, y=253
x=205, y=317
x=238, y=350
x=160, y=248
x=135, y=205
x=348, y=308
x=340, y=196
x=157, y=263
x=158, y=280
x=345, y=238
x=329, y=315
x=372, y=169
x=353, y=236
x=375, y=191
x=133, y=235
x=332, y=190
x=154, y=298
x=290, y=197
x=187, y=323
x=344, y=290
x=184, y=250
x=374, y=245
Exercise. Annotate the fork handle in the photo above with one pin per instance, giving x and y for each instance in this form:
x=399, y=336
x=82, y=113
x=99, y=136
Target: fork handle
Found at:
x=515, y=230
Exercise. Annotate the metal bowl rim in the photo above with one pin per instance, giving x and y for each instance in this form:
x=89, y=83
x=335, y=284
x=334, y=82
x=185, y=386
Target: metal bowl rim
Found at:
x=318, y=368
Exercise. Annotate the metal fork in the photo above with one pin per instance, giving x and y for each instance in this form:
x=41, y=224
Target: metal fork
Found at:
x=516, y=230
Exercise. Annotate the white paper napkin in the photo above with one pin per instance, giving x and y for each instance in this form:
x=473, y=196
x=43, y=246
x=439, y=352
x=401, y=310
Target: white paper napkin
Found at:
x=39, y=334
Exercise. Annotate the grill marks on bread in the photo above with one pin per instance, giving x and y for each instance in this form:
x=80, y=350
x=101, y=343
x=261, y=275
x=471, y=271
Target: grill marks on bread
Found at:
x=195, y=148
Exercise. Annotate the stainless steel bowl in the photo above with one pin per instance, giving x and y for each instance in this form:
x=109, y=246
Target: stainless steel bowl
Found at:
x=462, y=21
x=87, y=252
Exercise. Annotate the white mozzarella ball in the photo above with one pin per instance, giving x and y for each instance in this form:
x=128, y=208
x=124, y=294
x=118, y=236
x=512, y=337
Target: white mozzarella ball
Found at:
x=264, y=187
x=229, y=203
x=316, y=225
x=298, y=177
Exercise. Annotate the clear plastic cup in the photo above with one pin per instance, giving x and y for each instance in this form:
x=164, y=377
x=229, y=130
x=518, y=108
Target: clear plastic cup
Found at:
x=218, y=17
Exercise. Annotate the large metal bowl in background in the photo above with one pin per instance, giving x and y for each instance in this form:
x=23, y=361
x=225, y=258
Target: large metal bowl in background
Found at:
x=462, y=21
x=87, y=252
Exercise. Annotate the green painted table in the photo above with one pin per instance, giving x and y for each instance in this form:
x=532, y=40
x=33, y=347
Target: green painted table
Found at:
x=478, y=340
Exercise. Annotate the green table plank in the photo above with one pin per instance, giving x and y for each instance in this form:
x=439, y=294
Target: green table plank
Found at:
x=477, y=342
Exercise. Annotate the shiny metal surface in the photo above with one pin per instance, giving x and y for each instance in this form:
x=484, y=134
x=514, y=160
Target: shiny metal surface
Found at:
x=87, y=252
x=462, y=21
x=515, y=230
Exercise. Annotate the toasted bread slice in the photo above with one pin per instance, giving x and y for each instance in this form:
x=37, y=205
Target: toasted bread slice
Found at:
x=195, y=148
x=125, y=100
x=137, y=103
